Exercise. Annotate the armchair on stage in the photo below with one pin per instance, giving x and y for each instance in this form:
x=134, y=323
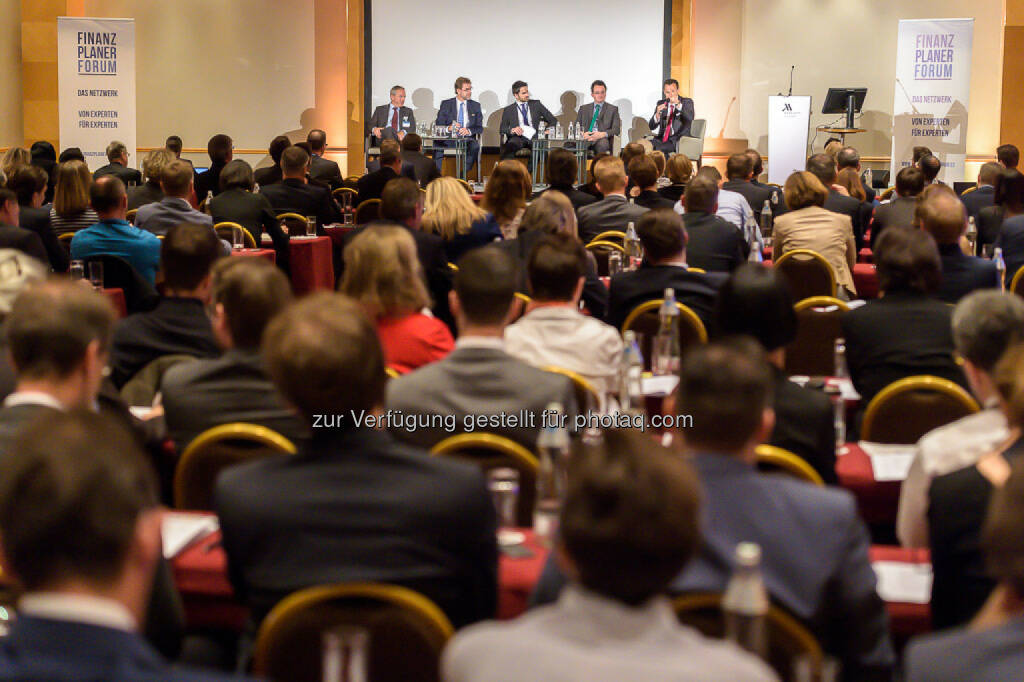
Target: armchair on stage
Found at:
x=693, y=144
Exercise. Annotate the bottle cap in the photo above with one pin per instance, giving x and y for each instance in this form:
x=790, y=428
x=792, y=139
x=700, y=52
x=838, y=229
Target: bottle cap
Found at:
x=748, y=554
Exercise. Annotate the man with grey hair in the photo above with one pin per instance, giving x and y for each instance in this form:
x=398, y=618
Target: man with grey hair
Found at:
x=848, y=157
x=117, y=155
x=392, y=121
x=150, y=191
x=985, y=324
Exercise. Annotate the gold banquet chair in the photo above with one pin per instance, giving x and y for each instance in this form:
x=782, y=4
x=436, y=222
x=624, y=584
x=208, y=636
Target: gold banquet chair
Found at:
x=601, y=249
x=406, y=631
x=293, y=223
x=611, y=236
x=645, y=321
x=367, y=211
x=907, y=409
x=812, y=351
x=1017, y=283
x=772, y=459
x=226, y=229
x=808, y=273
x=587, y=397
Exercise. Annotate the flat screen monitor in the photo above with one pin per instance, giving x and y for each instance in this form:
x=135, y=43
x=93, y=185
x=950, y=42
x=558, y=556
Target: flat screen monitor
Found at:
x=836, y=98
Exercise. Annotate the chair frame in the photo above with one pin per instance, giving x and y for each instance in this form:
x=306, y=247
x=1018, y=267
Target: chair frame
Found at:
x=913, y=383
x=655, y=304
x=611, y=245
x=788, y=462
x=1016, y=281
x=820, y=302
x=130, y=215
x=579, y=382
x=246, y=234
x=608, y=235
x=391, y=372
x=291, y=215
x=814, y=255
x=454, y=444
x=366, y=202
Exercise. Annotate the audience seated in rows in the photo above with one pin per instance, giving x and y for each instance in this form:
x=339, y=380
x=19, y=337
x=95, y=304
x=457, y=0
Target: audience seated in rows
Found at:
x=44, y=157
x=271, y=174
x=629, y=524
x=814, y=546
x=1010, y=234
x=984, y=194
x=296, y=194
x=424, y=168
x=899, y=212
x=853, y=184
x=220, y=148
x=644, y=174
x=30, y=183
x=372, y=184
x=823, y=167
x=739, y=171
x=713, y=243
x=941, y=214
x=479, y=377
x=13, y=160
x=14, y=237
x=732, y=206
x=778, y=201
x=117, y=156
x=679, y=170
x=506, y=194
x=176, y=181
x=613, y=212
x=150, y=191
x=985, y=324
x=383, y=274
x=1008, y=201
x=561, y=169
x=237, y=203
x=18, y=272
x=553, y=332
x=591, y=185
x=321, y=169
x=930, y=166
x=353, y=505
x=71, y=211
x=848, y=158
x=245, y=294
x=633, y=150
x=450, y=213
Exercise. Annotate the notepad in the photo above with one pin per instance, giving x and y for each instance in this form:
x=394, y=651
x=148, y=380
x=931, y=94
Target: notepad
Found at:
x=889, y=462
x=904, y=582
x=659, y=385
x=181, y=530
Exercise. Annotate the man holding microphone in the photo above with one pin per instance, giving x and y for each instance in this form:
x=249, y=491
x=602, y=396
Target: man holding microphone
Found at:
x=671, y=119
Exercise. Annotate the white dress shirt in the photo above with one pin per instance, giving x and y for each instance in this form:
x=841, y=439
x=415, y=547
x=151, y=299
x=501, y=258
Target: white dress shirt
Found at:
x=732, y=206
x=78, y=608
x=519, y=113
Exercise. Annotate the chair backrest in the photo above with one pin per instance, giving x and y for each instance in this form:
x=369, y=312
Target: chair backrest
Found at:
x=367, y=211
x=139, y=294
x=346, y=197
x=226, y=229
x=587, y=397
x=788, y=638
x=615, y=236
x=693, y=145
x=812, y=352
x=907, y=409
x=294, y=223
x=491, y=451
x=774, y=459
x=808, y=273
x=601, y=250
x=143, y=386
x=1017, y=283
x=645, y=321
x=406, y=631
x=217, y=449
x=130, y=215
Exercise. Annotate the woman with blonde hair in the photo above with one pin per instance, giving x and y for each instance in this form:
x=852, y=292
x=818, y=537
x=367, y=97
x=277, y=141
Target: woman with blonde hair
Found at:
x=382, y=273
x=71, y=210
x=506, y=195
x=15, y=158
x=450, y=213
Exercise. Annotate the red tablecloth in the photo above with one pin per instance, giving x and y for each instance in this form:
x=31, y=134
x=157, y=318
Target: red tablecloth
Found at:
x=877, y=501
x=255, y=253
x=311, y=264
x=116, y=296
x=865, y=255
x=866, y=280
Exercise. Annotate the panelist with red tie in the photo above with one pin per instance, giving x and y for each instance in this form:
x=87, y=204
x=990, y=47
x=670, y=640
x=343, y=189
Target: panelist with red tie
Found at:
x=671, y=119
x=392, y=121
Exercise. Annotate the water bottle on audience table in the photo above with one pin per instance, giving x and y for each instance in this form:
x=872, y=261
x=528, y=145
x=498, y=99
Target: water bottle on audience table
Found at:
x=345, y=654
x=972, y=236
x=209, y=198
x=997, y=256
x=633, y=248
x=666, y=350
x=631, y=372
x=841, y=372
x=835, y=395
x=766, y=221
x=745, y=604
x=553, y=456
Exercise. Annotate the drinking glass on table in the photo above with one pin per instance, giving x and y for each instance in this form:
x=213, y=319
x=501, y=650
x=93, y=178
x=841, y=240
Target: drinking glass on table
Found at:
x=503, y=483
x=311, y=226
x=237, y=242
x=614, y=263
x=96, y=274
x=77, y=269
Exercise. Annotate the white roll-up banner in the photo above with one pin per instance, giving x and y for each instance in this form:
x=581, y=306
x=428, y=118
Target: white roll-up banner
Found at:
x=932, y=93
x=96, y=85
x=788, y=122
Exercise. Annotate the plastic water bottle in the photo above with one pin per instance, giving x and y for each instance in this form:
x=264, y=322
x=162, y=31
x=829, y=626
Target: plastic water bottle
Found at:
x=256, y=188
x=835, y=395
x=558, y=130
x=631, y=373
x=634, y=250
x=666, y=352
x=841, y=372
x=972, y=235
x=755, y=252
x=553, y=451
x=746, y=602
x=766, y=220
x=345, y=654
x=997, y=257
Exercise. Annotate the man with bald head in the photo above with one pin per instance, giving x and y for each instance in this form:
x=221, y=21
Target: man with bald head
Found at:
x=943, y=216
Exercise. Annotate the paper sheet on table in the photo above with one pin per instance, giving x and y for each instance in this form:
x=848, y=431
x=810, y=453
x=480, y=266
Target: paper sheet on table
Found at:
x=846, y=389
x=904, y=582
x=889, y=462
x=181, y=530
x=529, y=132
x=141, y=411
x=659, y=385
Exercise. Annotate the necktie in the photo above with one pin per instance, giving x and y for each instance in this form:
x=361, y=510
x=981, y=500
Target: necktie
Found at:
x=668, y=123
x=462, y=114
x=593, y=121
x=394, y=118
x=526, y=113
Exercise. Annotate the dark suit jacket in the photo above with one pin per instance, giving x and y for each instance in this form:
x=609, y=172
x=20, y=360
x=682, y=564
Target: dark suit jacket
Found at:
x=896, y=336
x=146, y=193
x=608, y=121
x=357, y=506
x=648, y=282
x=837, y=203
x=267, y=176
x=208, y=181
x=255, y=213
x=538, y=112
x=778, y=199
x=29, y=242
x=978, y=199
x=371, y=185
x=652, y=200
x=1011, y=241
x=576, y=197
x=673, y=192
x=962, y=274
x=980, y=655
x=38, y=220
x=125, y=175
x=681, y=120
x=424, y=168
x=449, y=111
x=379, y=119
x=899, y=211
x=755, y=195
x=613, y=212
x=989, y=220
x=713, y=244
x=804, y=425
x=325, y=170
x=814, y=558
x=302, y=198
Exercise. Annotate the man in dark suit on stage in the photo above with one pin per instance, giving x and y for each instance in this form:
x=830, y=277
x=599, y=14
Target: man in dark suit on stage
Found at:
x=520, y=119
x=294, y=194
x=423, y=167
x=944, y=217
x=392, y=121
x=599, y=120
x=463, y=115
x=117, y=155
x=671, y=119
x=320, y=168
x=984, y=195
x=900, y=211
x=354, y=504
x=713, y=244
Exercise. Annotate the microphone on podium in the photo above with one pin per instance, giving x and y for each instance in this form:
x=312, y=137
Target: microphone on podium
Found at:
x=790, y=93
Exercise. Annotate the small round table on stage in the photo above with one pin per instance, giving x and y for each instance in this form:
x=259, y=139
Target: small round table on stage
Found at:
x=841, y=132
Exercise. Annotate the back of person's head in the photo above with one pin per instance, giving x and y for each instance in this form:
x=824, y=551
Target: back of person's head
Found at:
x=155, y=162
x=630, y=152
x=412, y=143
x=823, y=167
x=174, y=144
x=176, y=179
x=555, y=267
x=1010, y=190
x=756, y=301
x=13, y=159
x=985, y=324
x=17, y=271
x=219, y=148
x=848, y=157
x=907, y=261
x=562, y=168
x=909, y=181
x=317, y=140
x=610, y=175
x=930, y=166
x=631, y=517
x=756, y=161
x=988, y=173
x=74, y=489
x=739, y=167
x=277, y=147
x=552, y=213
x=43, y=154
x=51, y=326
x=71, y=193
x=294, y=161
x=832, y=148
x=251, y=291
x=643, y=172
x=485, y=285
x=679, y=169
x=390, y=153
x=803, y=189
x=919, y=153
x=107, y=195
x=507, y=190
x=711, y=173
x=592, y=177
x=942, y=215
x=71, y=154
x=186, y=255
x=724, y=389
x=115, y=150
x=658, y=157
x=448, y=209
x=27, y=182
x=304, y=146
x=323, y=355
x=400, y=200
x=236, y=175
x=1008, y=155
x=383, y=273
x=849, y=179
x=701, y=195
x=662, y=235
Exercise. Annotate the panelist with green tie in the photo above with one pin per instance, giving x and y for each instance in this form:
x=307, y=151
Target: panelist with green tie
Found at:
x=599, y=120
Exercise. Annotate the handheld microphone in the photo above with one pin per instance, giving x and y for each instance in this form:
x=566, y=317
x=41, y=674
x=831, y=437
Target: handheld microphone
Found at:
x=790, y=93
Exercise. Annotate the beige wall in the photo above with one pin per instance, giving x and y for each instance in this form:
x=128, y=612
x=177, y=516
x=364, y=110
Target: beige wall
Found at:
x=744, y=48
x=10, y=73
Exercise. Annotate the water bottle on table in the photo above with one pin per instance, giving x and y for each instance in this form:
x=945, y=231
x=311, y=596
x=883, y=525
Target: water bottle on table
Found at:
x=633, y=248
x=997, y=256
x=666, y=352
x=631, y=372
x=553, y=451
x=746, y=602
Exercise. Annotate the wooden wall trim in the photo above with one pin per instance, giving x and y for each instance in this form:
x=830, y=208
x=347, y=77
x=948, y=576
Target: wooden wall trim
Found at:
x=682, y=45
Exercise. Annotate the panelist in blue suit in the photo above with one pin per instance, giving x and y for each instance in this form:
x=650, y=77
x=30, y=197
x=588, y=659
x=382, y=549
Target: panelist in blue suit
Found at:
x=465, y=116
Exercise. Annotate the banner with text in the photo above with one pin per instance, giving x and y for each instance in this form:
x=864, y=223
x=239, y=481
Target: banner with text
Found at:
x=96, y=85
x=932, y=94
